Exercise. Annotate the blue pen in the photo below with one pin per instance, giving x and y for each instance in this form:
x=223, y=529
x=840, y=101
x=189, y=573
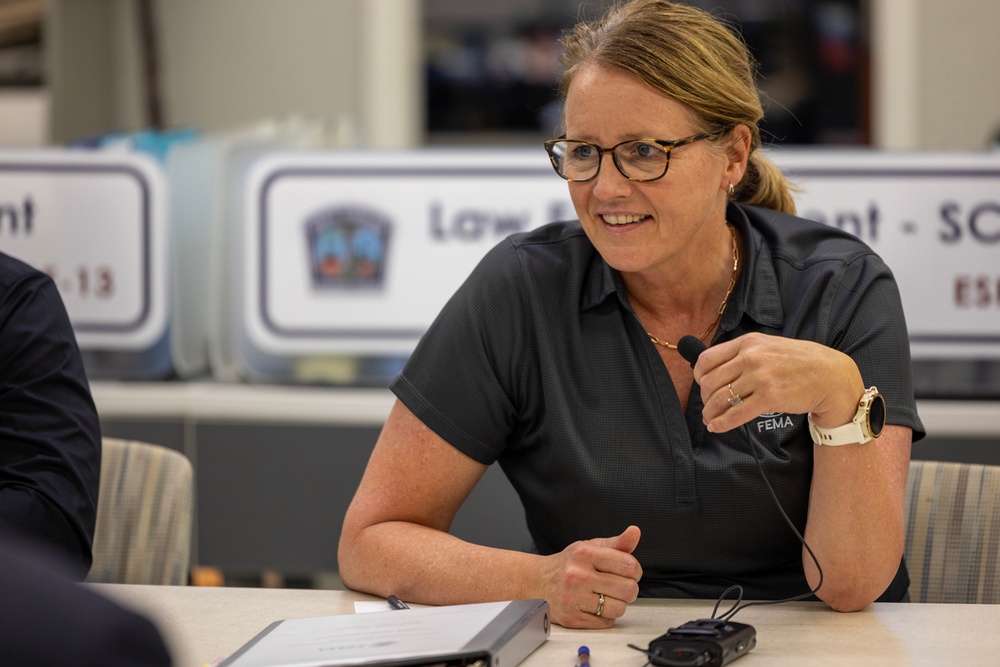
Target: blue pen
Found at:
x=395, y=603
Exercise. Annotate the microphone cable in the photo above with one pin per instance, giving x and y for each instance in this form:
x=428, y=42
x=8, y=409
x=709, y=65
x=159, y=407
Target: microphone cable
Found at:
x=691, y=347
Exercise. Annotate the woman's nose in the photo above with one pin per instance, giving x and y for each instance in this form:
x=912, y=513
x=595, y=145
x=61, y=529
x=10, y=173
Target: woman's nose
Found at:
x=610, y=182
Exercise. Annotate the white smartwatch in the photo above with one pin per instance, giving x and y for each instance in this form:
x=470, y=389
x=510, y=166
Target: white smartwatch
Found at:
x=867, y=424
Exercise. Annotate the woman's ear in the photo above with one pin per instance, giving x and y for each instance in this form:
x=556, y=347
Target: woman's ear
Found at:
x=737, y=154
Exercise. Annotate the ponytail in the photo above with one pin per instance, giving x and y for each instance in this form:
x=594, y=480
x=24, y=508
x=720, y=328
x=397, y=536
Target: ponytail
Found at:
x=765, y=185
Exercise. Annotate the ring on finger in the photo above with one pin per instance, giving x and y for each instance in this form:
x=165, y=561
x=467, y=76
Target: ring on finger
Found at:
x=600, y=605
x=734, y=399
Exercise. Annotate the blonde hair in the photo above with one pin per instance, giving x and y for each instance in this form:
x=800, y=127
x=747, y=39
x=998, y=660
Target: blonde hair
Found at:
x=693, y=57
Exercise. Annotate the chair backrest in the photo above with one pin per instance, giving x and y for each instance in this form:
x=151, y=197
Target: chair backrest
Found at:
x=144, y=515
x=953, y=532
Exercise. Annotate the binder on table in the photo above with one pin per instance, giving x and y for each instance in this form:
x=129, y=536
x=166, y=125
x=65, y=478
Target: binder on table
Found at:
x=490, y=634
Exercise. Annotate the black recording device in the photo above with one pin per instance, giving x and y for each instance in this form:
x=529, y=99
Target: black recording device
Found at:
x=708, y=642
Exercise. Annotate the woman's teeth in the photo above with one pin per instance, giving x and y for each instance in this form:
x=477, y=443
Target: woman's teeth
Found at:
x=622, y=219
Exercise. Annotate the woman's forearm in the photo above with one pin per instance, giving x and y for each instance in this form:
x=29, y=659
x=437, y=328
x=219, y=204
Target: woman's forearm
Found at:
x=428, y=566
x=855, y=524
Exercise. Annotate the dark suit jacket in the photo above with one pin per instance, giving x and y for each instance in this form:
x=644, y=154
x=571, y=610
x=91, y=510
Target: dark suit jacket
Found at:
x=47, y=620
x=50, y=437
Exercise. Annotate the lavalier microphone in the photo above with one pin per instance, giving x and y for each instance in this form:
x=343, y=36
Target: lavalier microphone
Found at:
x=690, y=347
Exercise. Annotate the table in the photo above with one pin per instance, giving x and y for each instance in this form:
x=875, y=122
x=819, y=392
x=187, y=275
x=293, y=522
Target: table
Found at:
x=204, y=624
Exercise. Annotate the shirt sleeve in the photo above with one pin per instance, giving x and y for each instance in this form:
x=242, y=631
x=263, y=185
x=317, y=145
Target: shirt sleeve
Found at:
x=872, y=330
x=463, y=380
x=50, y=439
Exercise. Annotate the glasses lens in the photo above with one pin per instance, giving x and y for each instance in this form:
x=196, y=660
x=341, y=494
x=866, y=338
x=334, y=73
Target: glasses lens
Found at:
x=642, y=160
x=576, y=160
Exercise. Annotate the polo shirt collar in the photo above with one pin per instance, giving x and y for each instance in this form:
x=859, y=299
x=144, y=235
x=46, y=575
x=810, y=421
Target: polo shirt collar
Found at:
x=756, y=291
x=600, y=283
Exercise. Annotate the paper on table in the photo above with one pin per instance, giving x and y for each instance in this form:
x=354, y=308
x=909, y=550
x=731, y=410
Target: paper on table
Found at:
x=326, y=640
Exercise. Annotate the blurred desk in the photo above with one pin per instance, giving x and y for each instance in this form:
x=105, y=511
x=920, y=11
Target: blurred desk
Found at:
x=203, y=624
x=234, y=402
x=221, y=401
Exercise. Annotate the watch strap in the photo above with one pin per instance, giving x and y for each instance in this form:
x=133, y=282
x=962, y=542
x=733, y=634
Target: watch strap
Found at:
x=855, y=431
x=834, y=437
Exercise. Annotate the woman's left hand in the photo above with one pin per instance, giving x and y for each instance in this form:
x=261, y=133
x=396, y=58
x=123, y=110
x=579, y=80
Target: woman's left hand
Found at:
x=855, y=518
x=771, y=374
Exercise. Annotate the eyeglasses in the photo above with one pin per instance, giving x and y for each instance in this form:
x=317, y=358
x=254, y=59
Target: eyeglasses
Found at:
x=638, y=160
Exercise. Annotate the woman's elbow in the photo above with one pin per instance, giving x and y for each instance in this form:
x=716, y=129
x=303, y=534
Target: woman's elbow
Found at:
x=848, y=603
x=350, y=557
x=345, y=562
x=853, y=593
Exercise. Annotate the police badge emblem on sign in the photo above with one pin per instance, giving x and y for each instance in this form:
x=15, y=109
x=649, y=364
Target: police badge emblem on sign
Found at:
x=347, y=248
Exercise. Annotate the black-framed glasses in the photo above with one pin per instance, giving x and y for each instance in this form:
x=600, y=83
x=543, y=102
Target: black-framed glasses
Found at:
x=637, y=159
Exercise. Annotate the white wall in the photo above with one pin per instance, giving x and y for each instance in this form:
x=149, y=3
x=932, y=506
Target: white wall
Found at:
x=959, y=94
x=935, y=82
x=80, y=67
x=22, y=117
x=227, y=63
x=234, y=62
x=230, y=63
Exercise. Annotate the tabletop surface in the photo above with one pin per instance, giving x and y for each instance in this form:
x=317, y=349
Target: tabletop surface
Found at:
x=203, y=625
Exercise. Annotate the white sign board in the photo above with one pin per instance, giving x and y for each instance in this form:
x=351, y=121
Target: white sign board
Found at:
x=935, y=220
x=355, y=253
x=96, y=224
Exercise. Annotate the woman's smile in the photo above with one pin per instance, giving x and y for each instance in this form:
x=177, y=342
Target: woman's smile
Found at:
x=619, y=220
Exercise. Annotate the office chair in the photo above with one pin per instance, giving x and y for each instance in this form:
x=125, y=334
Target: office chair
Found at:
x=144, y=515
x=952, y=546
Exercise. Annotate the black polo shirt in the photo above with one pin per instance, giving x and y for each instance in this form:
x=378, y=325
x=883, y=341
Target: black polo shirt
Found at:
x=539, y=362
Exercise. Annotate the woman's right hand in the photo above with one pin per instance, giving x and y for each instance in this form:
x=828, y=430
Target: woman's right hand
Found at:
x=575, y=578
x=395, y=539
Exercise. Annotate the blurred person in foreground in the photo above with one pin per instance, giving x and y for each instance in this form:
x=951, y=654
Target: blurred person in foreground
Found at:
x=558, y=359
x=47, y=620
x=50, y=436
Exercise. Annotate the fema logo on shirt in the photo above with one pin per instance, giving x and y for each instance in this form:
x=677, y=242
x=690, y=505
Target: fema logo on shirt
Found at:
x=347, y=248
x=772, y=421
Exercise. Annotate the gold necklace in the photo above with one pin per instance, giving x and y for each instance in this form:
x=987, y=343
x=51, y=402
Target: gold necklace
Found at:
x=725, y=299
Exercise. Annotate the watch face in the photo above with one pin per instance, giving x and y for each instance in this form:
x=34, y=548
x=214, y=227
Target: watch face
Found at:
x=876, y=415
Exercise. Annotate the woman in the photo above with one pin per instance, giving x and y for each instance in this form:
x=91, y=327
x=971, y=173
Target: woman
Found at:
x=557, y=358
